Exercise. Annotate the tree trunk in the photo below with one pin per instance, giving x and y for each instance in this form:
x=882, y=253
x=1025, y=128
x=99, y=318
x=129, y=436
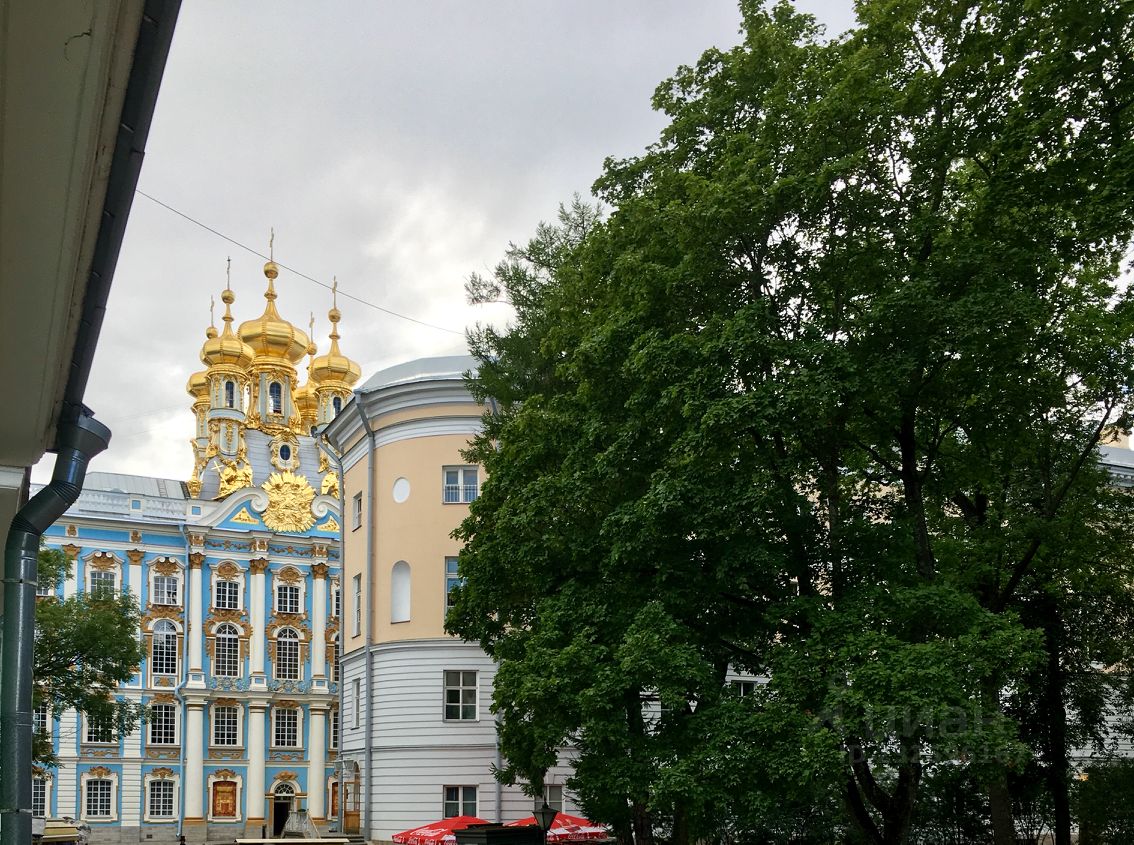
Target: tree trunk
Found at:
x=1000, y=807
x=1057, y=765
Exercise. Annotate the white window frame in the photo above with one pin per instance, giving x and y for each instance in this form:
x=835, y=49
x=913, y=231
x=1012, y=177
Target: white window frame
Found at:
x=160, y=596
x=41, y=719
x=44, y=589
x=459, y=484
x=90, y=725
x=461, y=687
x=283, y=606
x=165, y=625
x=356, y=512
x=356, y=701
x=226, y=583
x=335, y=730
x=175, y=793
x=401, y=592
x=101, y=575
x=169, y=783
x=293, y=637
x=216, y=664
x=238, y=712
x=356, y=629
x=167, y=708
x=553, y=796
x=452, y=579
x=86, y=778
x=336, y=600
x=44, y=784
x=277, y=714
x=461, y=801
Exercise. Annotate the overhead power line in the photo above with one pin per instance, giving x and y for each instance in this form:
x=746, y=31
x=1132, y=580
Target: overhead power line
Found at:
x=341, y=292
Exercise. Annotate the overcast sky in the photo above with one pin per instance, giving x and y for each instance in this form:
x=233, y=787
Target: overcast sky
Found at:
x=397, y=145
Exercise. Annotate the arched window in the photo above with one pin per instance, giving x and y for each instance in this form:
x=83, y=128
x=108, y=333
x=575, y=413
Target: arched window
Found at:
x=285, y=790
x=226, y=661
x=275, y=397
x=337, y=404
x=400, y=592
x=229, y=394
x=287, y=655
x=163, y=649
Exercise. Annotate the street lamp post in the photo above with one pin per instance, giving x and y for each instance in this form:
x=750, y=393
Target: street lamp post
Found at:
x=545, y=817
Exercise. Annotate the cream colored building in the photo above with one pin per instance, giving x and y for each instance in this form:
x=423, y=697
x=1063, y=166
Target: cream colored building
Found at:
x=416, y=720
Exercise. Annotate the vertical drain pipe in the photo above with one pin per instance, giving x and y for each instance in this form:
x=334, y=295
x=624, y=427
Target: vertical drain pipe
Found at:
x=78, y=442
x=360, y=399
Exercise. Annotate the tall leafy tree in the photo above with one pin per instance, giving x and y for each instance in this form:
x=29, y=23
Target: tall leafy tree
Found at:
x=821, y=400
x=85, y=646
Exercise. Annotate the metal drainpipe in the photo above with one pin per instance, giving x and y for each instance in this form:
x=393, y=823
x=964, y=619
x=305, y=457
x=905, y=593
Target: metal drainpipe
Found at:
x=329, y=451
x=78, y=442
x=366, y=779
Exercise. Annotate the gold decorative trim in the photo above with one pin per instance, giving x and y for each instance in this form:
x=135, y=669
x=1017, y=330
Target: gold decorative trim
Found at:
x=287, y=776
x=289, y=502
x=196, y=539
x=223, y=774
x=135, y=536
x=162, y=754
x=72, y=531
x=218, y=616
x=259, y=544
x=135, y=556
x=289, y=575
x=103, y=561
x=331, y=526
x=330, y=485
x=226, y=754
x=162, y=772
x=286, y=704
x=99, y=772
x=258, y=564
x=195, y=560
x=165, y=566
x=228, y=569
x=163, y=698
x=72, y=551
x=245, y=518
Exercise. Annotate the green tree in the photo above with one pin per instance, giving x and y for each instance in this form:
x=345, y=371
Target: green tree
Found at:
x=85, y=646
x=821, y=400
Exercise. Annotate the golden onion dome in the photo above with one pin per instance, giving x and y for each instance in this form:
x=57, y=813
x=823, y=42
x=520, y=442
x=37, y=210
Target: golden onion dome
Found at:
x=334, y=366
x=228, y=349
x=198, y=386
x=270, y=335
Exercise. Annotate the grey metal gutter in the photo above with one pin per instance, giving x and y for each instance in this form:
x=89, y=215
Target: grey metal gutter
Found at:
x=78, y=436
x=366, y=777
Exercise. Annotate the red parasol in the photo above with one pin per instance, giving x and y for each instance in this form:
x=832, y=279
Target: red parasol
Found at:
x=436, y=833
x=567, y=828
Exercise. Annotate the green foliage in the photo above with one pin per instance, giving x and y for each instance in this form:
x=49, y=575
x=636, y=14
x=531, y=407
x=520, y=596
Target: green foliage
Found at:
x=1104, y=804
x=821, y=400
x=85, y=646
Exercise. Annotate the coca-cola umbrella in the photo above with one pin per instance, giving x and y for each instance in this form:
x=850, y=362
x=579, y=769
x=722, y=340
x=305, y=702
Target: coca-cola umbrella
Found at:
x=567, y=828
x=436, y=833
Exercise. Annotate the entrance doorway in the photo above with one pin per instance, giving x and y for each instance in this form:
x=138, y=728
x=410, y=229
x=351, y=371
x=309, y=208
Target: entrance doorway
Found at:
x=282, y=801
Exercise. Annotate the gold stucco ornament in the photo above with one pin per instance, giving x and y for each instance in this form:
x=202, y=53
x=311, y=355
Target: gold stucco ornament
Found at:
x=234, y=477
x=330, y=485
x=289, y=502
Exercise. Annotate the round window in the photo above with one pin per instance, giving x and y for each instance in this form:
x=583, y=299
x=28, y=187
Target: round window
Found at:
x=285, y=452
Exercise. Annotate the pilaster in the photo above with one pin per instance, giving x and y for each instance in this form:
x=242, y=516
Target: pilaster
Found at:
x=317, y=760
x=194, y=774
x=319, y=624
x=254, y=790
x=257, y=566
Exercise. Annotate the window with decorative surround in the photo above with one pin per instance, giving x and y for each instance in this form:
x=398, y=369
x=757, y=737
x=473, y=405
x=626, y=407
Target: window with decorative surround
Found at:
x=163, y=724
x=96, y=799
x=163, y=648
x=100, y=729
x=40, y=719
x=39, y=797
x=159, y=802
x=287, y=655
x=226, y=725
x=166, y=590
x=227, y=595
x=334, y=729
x=285, y=728
x=226, y=652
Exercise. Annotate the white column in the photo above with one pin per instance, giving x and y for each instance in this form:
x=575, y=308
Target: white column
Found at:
x=256, y=604
x=319, y=621
x=254, y=787
x=194, y=774
x=196, y=612
x=317, y=759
